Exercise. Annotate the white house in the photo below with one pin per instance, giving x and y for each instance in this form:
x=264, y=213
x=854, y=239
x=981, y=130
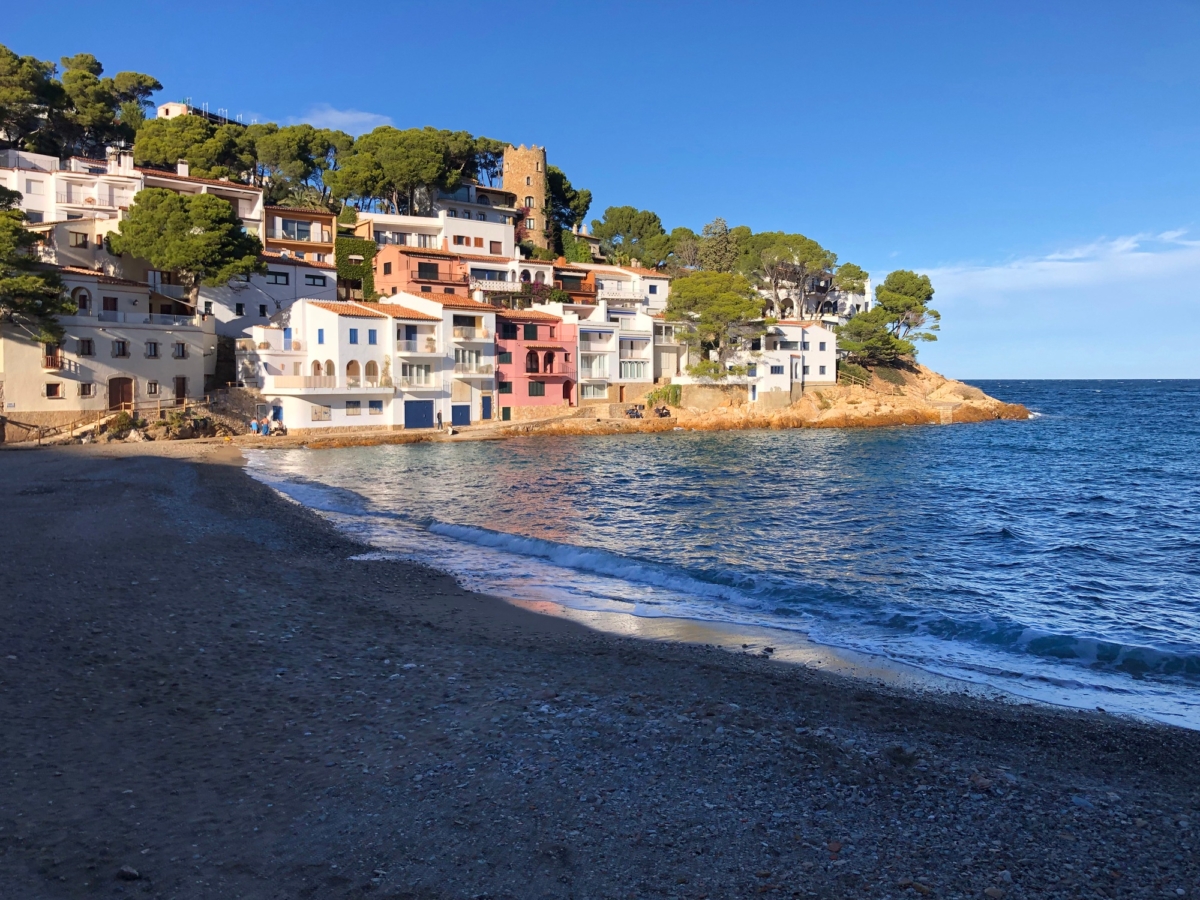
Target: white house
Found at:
x=116, y=354
x=615, y=351
x=54, y=190
x=255, y=299
x=407, y=362
x=450, y=228
x=791, y=356
x=630, y=286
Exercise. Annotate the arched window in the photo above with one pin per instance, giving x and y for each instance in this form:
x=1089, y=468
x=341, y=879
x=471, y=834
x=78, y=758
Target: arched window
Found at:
x=531, y=361
x=372, y=374
x=528, y=180
x=330, y=371
x=548, y=361
x=482, y=199
x=540, y=277
x=525, y=275
x=529, y=202
x=352, y=374
x=316, y=368
x=83, y=300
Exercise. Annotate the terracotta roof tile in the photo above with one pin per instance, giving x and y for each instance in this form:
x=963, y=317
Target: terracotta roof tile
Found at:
x=276, y=256
x=344, y=308
x=100, y=276
x=526, y=315
x=545, y=347
x=237, y=185
x=396, y=311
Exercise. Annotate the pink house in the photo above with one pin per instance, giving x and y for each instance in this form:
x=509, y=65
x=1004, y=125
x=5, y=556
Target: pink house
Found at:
x=535, y=363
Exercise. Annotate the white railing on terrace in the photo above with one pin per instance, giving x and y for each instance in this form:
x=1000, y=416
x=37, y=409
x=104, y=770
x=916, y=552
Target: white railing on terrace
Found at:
x=426, y=382
x=463, y=333
x=593, y=371
x=486, y=284
x=15, y=159
x=472, y=369
x=635, y=354
x=629, y=324
x=305, y=381
x=315, y=236
x=429, y=345
x=138, y=318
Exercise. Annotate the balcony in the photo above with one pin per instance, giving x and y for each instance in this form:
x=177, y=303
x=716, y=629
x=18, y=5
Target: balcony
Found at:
x=589, y=289
x=635, y=354
x=465, y=333
x=473, y=369
x=428, y=345
x=315, y=236
x=174, y=291
x=305, y=382
x=418, y=384
x=125, y=318
x=594, y=372
x=52, y=361
x=487, y=284
x=618, y=291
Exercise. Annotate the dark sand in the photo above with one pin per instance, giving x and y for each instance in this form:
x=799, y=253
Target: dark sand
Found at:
x=197, y=683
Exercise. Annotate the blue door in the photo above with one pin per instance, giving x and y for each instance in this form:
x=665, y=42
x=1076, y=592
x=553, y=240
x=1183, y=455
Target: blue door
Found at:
x=287, y=339
x=418, y=413
x=460, y=414
x=410, y=332
x=487, y=408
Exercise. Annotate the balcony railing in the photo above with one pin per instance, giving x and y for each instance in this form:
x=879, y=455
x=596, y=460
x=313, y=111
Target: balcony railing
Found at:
x=429, y=345
x=426, y=382
x=473, y=369
x=465, y=333
x=316, y=236
x=106, y=315
x=593, y=372
x=305, y=381
x=634, y=354
x=577, y=289
x=440, y=279
x=52, y=361
x=175, y=291
x=487, y=284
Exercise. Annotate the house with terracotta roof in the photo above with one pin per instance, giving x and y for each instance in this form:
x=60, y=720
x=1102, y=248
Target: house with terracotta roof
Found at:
x=246, y=199
x=74, y=189
x=303, y=233
x=536, y=355
x=116, y=353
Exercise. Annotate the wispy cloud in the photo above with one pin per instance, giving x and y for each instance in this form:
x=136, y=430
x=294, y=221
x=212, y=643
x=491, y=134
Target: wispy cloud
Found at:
x=352, y=121
x=1122, y=307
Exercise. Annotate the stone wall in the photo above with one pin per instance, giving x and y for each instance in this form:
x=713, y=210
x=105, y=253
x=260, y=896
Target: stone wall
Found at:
x=705, y=397
x=523, y=164
x=22, y=426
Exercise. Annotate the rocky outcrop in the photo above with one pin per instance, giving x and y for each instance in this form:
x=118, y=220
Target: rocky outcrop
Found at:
x=924, y=398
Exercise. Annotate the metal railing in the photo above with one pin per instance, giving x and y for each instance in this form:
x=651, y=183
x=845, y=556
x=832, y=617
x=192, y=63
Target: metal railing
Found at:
x=486, y=284
x=428, y=345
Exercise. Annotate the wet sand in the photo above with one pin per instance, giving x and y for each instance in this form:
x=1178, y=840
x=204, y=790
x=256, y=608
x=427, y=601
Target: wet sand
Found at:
x=198, y=683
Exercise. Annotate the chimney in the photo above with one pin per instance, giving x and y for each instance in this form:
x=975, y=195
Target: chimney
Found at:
x=182, y=167
x=583, y=228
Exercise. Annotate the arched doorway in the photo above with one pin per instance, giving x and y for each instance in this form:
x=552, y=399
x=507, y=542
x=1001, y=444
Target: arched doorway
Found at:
x=120, y=393
x=352, y=374
x=531, y=361
x=330, y=371
x=568, y=393
x=371, y=373
x=316, y=368
x=548, y=361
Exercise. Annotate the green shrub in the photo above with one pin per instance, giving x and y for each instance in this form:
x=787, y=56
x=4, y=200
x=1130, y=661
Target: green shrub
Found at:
x=121, y=424
x=670, y=394
x=858, y=372
x=891, y=376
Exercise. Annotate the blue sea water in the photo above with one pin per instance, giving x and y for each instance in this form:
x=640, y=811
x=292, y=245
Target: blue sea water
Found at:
x=1056, y=558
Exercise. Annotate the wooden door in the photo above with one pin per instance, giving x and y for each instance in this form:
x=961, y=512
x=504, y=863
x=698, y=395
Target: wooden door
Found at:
x=180, y=390
x=120, y=393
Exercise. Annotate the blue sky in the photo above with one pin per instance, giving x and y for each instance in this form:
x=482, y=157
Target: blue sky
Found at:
x=1040, y=160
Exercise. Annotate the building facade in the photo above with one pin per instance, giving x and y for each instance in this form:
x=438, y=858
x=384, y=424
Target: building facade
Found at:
x=525, y=179
x=535, y=364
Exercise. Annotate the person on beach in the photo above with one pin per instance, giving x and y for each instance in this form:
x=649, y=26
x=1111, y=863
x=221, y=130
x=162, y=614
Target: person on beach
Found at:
x=439, y=420
x=254, y=425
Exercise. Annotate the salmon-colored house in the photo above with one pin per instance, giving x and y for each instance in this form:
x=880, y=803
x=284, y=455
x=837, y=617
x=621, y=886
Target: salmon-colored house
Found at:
x=535, y=364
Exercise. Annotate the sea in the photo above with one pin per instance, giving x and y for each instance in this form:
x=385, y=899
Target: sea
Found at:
x=1055, y=559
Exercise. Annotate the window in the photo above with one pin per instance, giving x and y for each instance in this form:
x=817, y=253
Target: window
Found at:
x=537, y=389
x=531, y=224
x=54, y=390
x=262, y=310
x=482, y=217
x=354, y=407
x=806, y=368
x=593, y=392
x=531, y=361
x=529, y=202
x=633, y=368
x=151, y=349
x=372, y=336
x=504, y=358
x=87, y=389
x=504, y=387
x=654, y=288
x=821, y=370
x=179, y=351
x=33, y=216
x=426, y=289
x=239, y=309
x=321, y=413
x=109, y=304
x=427, y=271
x=152, y=388
x=495, y=248
x=479, y=243
x=452, y=213
x=821, y=346
x=33, y=187
x=387, y=268
x=320, y=335
x=447, y=290
x=427, y=241
x=78, y=239
x=752, y=371
x=375, y=407
x=776, y=370
x=354, y=335
x=461, y=240
x=530, y=332
x=120, y=348
x=86, y=347
x=296, y=230
x=506, y=414
x=314, y=280
x=789, y=345
x=804, y=345
x=508, y=331
x=277, y=277
x=208, y=307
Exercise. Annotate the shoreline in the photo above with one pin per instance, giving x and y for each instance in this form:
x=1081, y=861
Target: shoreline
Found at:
x=292, y=722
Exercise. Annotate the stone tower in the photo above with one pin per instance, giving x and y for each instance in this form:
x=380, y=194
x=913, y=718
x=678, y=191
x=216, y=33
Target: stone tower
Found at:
x=525, y=176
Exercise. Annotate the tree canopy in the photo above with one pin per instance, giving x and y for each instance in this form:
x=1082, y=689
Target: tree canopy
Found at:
x=79, y=113
x=196, y=236
x=901, y=317
x=30, y=294
x=568, y=206
x=718, y=310
x=718, y=247
x=632, y=234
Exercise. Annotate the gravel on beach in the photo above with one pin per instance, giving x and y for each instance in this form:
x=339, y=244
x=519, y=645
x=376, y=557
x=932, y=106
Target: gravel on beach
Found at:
x=204, y=694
